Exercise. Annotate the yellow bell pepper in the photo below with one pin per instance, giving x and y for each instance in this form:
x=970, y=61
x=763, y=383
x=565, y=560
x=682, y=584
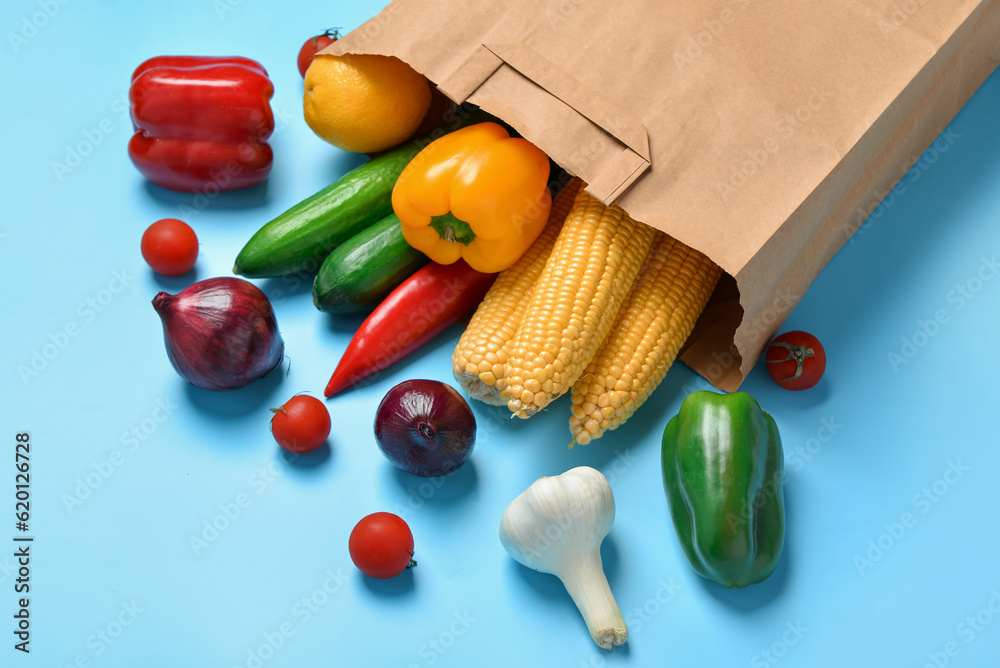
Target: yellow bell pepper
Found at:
x=475, y=194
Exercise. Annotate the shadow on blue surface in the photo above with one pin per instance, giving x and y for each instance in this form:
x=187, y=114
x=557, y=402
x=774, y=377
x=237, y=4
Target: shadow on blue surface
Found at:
x=401, y=585
x=545, y=586
x=236, y=403
x=175, y=284
x=308, y=461
x=287, y=286
x=342, y=162
x=344, y=324
x=612, y=455
x=232, y=200
x=801, y=400
x=442, y=492
x=610, y=559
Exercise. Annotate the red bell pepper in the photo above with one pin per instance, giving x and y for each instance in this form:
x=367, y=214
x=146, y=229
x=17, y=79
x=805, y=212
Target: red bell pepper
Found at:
x=425, y=304
x=201, y=120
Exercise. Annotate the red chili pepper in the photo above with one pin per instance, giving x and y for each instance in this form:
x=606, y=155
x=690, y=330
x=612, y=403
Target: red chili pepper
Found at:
x=201, y=120
x=425, y=304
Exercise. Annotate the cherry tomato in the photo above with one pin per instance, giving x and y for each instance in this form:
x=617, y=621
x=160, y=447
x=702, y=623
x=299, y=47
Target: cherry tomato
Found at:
x=381, y=545
x=314, y=45
x=796, y=360
x=170, y=247
x=301, y=425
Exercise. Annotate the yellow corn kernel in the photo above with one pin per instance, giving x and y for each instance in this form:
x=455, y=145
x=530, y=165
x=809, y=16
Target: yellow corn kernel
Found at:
x=587, y=277
x=668, y=296
x=479, y=359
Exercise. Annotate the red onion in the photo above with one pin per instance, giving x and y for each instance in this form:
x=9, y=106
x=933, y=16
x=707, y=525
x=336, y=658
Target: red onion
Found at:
x=425, y=427
x=220, y=333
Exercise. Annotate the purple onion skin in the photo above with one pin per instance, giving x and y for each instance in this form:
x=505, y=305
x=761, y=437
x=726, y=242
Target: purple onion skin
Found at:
x=425, y=427
x=220, y=333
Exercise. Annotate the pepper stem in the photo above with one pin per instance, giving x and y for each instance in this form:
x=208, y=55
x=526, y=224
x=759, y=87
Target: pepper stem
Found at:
x=452, y=229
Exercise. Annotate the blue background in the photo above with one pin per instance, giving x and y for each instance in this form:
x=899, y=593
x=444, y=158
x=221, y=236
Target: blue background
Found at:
x=854, y=587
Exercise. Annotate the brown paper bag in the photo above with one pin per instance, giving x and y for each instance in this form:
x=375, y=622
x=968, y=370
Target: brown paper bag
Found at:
x=757, y=131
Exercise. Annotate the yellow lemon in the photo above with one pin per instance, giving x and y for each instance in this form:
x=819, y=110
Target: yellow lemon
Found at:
x=364, y=103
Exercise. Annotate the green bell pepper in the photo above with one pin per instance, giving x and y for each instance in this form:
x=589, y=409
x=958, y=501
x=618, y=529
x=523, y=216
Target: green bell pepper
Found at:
x=722, y=472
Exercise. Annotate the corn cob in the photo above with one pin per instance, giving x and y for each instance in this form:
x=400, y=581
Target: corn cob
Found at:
x=587, y=277
x=480, y=356
x=666, y=300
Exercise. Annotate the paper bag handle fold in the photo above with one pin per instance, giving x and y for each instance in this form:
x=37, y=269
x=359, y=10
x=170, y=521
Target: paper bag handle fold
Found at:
x=612, y=173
